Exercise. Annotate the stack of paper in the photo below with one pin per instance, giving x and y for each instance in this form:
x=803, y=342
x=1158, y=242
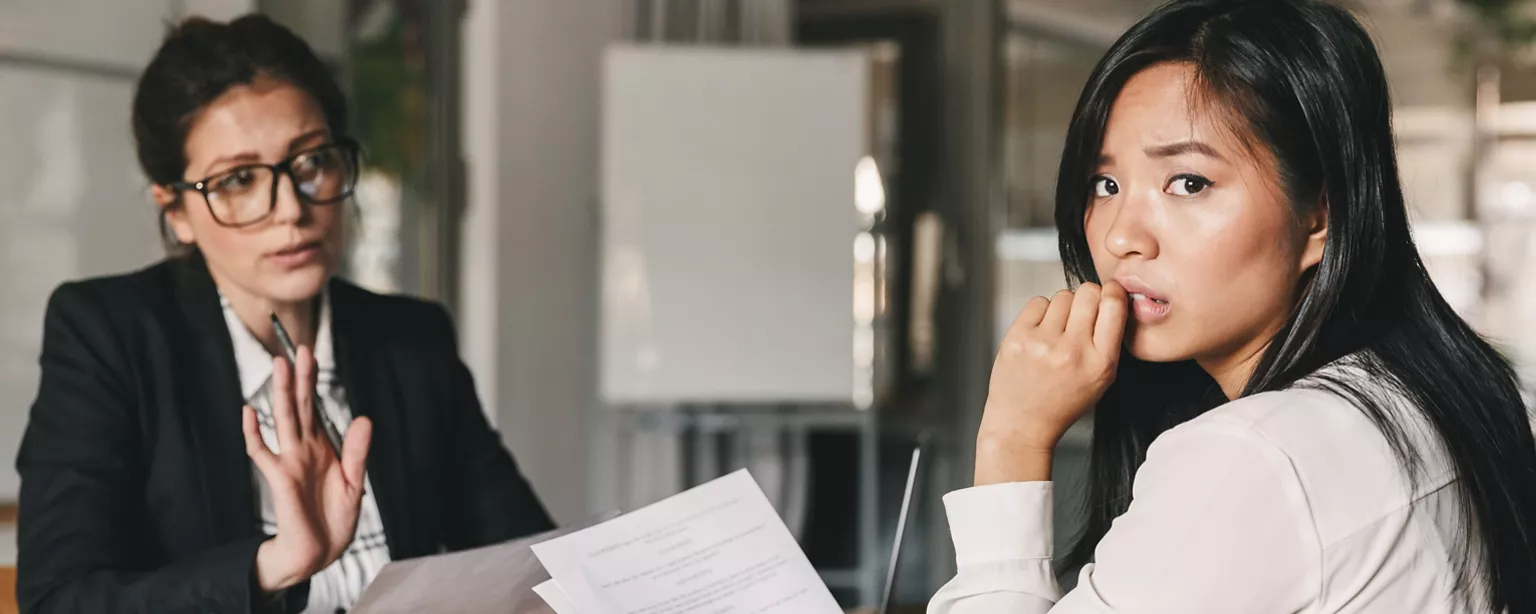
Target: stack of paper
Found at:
x=493, y=579
x=719, y=547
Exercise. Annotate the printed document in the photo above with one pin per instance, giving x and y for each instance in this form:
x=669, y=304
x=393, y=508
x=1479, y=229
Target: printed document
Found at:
x=719, y=548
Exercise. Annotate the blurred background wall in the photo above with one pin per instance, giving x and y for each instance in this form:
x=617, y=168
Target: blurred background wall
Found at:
x=489, y=126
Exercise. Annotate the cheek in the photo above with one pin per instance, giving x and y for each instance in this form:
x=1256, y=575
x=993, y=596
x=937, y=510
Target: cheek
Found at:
x=1231, y=272
x=235, y=251
x=332, y=222
x=1234, y=283
x=231, y=247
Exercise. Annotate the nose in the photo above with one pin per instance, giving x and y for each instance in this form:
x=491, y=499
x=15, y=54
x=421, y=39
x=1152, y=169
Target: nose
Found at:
x=286, y=206
x=1128, y=232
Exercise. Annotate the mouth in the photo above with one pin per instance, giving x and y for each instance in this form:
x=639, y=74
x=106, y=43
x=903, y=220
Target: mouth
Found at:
x=1147, y=305
x=296, y=249
x=296, y=254
x=1138, y=296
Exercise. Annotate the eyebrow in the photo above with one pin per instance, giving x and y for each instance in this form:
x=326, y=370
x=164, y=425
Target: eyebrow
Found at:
x=305, y=140
x=1181, y=148
x=1171, y=150
x=248, y=157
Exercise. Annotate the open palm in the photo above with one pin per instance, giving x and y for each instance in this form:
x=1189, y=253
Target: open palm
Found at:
x=316, y=495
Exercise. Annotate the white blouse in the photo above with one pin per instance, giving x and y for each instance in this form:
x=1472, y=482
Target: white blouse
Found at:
x=1283, y=502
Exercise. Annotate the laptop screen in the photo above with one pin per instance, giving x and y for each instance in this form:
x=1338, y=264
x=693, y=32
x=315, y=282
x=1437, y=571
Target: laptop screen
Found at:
x=901, y=526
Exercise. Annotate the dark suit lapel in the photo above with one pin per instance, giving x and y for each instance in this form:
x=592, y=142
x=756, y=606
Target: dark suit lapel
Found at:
x=210, y=382
x=366, y=369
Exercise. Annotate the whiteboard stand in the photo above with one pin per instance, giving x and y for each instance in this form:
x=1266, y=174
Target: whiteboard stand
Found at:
x=742, y=284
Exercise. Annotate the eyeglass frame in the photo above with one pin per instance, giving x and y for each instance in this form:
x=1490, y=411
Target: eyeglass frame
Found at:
x=350, y=148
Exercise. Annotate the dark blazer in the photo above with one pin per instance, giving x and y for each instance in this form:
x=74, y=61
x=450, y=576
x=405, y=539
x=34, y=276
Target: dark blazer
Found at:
x=136, y=493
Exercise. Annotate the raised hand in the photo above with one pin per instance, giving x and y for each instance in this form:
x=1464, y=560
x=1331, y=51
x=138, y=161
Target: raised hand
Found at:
x=1054, y=364
x=315, y=495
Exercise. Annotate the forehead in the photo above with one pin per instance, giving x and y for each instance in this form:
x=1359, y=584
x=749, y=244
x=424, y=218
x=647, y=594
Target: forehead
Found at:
x=261, y=117
x=1158, y=106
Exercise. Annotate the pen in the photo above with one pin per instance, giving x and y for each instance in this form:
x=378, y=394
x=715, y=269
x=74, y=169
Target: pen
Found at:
x=314, y=398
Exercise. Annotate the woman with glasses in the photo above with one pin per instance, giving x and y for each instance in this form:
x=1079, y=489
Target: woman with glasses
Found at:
x=235, y=429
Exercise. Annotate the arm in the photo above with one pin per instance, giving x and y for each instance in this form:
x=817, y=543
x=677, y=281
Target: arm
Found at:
x=81, y=488
x=1219, y=524
x=487, y=500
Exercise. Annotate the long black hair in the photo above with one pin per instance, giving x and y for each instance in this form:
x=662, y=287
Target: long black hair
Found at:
x=1301, y=79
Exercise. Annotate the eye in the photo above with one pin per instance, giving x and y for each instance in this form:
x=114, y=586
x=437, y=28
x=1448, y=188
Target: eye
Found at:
x=1188, y=185
x=315, y=161
x=1104, y=187
x=235, y=181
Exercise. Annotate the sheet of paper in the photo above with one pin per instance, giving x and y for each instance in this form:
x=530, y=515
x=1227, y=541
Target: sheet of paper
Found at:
x=555, y=598
x=495, y=579
x=717, y=548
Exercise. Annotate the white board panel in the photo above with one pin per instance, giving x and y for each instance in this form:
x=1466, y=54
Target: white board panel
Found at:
x=72, y=204
x=729, y=223
x=122, y=34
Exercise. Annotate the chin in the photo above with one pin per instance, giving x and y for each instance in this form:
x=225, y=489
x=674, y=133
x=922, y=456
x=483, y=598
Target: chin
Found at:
x=296, y=285
x=1153, y=346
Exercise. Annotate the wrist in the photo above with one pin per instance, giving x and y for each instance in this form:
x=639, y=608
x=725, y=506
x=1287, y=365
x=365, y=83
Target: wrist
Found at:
x=1019, y=434
x=273, y=574
x=1010, y=459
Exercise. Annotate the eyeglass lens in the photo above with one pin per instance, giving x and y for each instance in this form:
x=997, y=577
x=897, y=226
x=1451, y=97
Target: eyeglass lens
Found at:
x=244, y=194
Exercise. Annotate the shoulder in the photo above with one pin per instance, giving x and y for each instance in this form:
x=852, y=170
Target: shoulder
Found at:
x=117, y=298
x=155, y=278
x=390, y=316
x=1339, y=459
x=106, y=324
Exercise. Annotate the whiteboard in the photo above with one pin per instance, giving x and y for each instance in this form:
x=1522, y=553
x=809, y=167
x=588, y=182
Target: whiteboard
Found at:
x=118, y=34
x=72, y=204
x=728, y=223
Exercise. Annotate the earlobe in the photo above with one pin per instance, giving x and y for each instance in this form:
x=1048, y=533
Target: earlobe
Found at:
x=174, y=216
x=1317, y=237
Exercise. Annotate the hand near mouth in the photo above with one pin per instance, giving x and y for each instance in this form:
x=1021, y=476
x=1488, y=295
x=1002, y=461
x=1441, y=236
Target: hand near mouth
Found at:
x=1054, y=364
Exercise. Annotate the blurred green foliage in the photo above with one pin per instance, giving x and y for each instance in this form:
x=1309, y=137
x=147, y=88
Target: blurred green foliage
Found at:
x=1499, y=29
x=389, y=81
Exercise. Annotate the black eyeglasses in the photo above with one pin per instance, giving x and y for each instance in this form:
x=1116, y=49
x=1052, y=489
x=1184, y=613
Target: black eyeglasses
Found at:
x=247, y=194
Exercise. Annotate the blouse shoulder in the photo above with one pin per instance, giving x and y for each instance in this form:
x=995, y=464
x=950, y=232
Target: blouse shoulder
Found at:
x=1343, y=462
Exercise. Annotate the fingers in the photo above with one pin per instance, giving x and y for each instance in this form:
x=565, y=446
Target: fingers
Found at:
x=1056, y=315
x=1085, y=311
x=1109, y=326
x=304, y=391
x=282, y=405
x=255, y=446
x=354, y=451
x=1032, y=312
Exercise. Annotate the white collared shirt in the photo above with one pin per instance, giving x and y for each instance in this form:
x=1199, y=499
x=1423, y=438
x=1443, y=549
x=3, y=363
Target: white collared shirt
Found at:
x=338, y=586
x=1281, y=502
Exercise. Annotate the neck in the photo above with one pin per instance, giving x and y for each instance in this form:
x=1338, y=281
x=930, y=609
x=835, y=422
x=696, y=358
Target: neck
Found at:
x=300, y=319
x=1233, y=370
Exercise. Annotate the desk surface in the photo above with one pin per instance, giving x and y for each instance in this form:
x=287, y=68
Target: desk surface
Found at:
x=527, y=606
x=530, y=605
x=7, y=559
x=8, y=590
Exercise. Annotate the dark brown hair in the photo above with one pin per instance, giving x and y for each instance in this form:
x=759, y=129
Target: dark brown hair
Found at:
x=197, y=62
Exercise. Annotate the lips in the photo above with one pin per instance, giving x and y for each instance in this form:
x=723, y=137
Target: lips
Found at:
x=1147, y=304
x=296, y=249
x=1140, y=291
x=296, y=255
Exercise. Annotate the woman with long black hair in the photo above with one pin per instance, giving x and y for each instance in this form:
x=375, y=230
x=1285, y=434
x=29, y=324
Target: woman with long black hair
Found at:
x=1289, y=417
